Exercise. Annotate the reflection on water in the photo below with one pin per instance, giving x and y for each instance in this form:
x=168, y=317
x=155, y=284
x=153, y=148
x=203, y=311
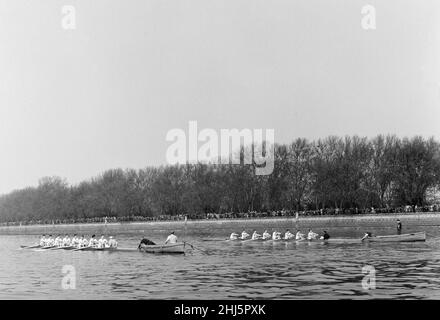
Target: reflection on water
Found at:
x=224, y=270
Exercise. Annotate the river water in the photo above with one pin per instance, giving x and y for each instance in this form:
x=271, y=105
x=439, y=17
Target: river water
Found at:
x=225, y=270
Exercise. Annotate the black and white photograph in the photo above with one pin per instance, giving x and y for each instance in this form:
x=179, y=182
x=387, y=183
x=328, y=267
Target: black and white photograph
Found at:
x=219, y=150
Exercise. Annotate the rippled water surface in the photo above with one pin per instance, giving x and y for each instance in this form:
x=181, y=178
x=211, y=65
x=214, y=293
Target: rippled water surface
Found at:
x=225, y=270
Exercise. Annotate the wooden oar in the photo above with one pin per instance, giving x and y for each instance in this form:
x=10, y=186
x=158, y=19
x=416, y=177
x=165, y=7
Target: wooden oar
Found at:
x=233, y=240
x=194, y=247
x=61, y=247
x=258, y=239
x=89, y=247
x=41, y=249
x=126, y=250
x=30, y=247
x=46, y=248
x=54, y=248
x=80, y=249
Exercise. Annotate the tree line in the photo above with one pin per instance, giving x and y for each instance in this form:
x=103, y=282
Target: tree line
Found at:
x=335, y=172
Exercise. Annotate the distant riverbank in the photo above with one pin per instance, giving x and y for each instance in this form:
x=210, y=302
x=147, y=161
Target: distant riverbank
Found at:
x=330, y=222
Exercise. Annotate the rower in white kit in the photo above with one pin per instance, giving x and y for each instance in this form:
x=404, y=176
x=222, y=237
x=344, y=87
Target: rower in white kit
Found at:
x=266, y=235
x=102, y=242
x=82, y=243
x=288, y=235
x=55, y=241
x=300, y=236
x=255, y=235
x=79, y=241
x=49, y=241
x=66, y=241
x=311, y=235
x=43, y=241
x=276, y=235
x=93, y=242
x=112, y=243
x=244, y=235
x=58, y=241
x=74, y=241
x=234, y=236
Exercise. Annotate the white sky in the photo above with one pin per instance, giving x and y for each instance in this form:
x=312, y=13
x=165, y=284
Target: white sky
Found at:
x=74, y=103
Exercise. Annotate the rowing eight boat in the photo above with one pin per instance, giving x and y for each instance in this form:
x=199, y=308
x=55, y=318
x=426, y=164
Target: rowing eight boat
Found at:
x=409, y=237
x=68, y=248
x=95, y=249
x=178, y=248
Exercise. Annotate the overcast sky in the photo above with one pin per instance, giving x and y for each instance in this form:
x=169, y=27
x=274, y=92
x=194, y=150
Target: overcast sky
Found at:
x=74, y=103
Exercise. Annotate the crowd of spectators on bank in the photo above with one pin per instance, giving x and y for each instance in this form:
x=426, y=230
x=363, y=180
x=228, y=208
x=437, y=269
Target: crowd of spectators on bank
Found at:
x=236, y=215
